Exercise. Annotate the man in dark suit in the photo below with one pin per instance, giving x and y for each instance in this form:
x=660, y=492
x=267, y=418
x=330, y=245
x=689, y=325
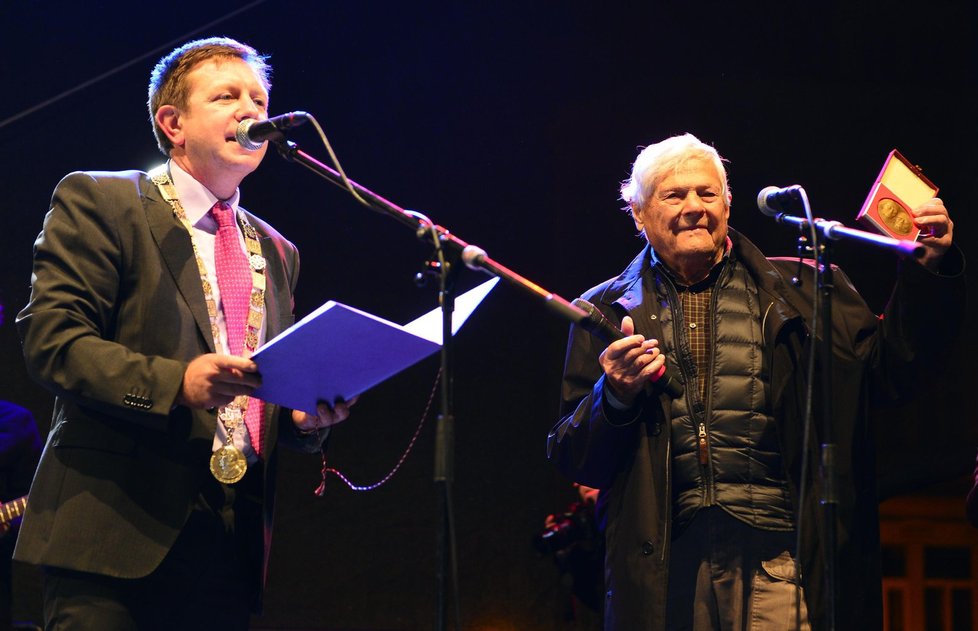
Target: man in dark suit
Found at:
x=152, y=503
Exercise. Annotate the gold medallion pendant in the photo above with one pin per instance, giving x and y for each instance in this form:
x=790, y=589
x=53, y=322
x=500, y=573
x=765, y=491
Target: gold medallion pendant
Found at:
x=228, y=464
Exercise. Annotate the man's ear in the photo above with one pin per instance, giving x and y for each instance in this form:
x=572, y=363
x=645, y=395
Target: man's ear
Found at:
x=168, y=119
x=639, y=225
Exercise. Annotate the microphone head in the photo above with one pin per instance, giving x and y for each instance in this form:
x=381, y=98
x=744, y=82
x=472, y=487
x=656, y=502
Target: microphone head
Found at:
x=241, y=135
x=595, y=323
x=593, y=315
x=773, y=201
x=764, y=205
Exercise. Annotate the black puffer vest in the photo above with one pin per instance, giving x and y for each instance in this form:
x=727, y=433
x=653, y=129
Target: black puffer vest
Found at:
x=724, y=447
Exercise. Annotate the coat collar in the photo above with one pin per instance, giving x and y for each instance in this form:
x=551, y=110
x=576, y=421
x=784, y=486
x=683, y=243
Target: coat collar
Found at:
x=626, y=289
x=777, y=307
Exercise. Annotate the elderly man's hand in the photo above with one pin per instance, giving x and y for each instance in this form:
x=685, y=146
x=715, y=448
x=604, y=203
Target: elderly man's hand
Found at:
x=629, y=363
x=936, y=231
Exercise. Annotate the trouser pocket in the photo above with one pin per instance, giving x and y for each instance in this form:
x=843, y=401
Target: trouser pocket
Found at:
x=777, y=600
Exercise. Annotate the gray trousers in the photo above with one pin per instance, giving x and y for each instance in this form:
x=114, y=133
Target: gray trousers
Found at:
x=727, y=576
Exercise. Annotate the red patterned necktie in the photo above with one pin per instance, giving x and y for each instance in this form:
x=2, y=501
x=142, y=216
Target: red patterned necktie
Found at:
x=234, y=283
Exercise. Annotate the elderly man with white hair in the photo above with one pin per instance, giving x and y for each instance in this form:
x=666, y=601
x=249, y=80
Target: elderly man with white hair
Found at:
x=701, y=495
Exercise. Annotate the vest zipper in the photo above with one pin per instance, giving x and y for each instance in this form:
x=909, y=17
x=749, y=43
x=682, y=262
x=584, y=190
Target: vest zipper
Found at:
x=704, y=436
x=702, y=442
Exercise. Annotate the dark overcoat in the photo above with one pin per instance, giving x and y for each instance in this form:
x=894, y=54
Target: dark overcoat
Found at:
x=627, y=456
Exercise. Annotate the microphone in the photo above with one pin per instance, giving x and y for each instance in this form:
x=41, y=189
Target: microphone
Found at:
x=772, y=201
x=252, y=134
x=597, y=325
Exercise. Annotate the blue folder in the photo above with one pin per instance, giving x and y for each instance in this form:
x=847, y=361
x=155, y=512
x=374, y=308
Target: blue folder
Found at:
x=339, y=352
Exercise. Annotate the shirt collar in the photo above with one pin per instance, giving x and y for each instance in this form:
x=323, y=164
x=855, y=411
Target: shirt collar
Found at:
x=655, y=261
x=196, y=199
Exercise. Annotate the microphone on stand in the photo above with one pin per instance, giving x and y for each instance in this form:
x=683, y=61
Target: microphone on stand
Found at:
x=772, y=201
x=596, y=324
x=252, y=133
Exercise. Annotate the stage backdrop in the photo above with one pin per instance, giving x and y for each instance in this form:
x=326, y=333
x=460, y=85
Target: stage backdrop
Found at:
x=512, y=124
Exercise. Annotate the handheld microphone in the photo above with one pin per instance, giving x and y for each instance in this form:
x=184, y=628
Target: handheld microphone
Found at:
x=252, y=134
x=597, y=325
x=772, y=201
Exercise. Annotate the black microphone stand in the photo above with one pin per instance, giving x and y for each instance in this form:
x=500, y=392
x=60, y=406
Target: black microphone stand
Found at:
x=832, y=231
x=448, y=251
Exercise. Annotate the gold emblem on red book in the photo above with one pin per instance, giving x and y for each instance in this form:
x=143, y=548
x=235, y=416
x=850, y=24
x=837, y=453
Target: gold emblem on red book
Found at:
x=895, y=216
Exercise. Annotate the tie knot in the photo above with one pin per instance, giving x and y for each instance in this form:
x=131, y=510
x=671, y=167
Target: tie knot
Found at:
x=223, y=214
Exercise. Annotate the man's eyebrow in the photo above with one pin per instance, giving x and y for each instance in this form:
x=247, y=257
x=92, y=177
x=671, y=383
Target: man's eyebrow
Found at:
x=673, y=189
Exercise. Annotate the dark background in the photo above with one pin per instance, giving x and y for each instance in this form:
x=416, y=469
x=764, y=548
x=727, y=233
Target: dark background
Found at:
x=512, y=124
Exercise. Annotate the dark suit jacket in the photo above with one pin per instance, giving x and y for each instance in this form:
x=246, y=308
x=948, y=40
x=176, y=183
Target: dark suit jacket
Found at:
x=116, y=313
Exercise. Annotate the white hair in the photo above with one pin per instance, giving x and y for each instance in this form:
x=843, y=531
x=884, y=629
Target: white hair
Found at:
x=657, y=161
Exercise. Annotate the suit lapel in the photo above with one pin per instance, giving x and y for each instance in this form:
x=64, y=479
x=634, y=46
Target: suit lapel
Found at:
x=277, y=302
x=274, y=295
x=177, y=252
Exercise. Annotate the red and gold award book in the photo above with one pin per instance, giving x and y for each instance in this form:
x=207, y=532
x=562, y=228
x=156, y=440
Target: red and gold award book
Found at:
x=899, y=188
